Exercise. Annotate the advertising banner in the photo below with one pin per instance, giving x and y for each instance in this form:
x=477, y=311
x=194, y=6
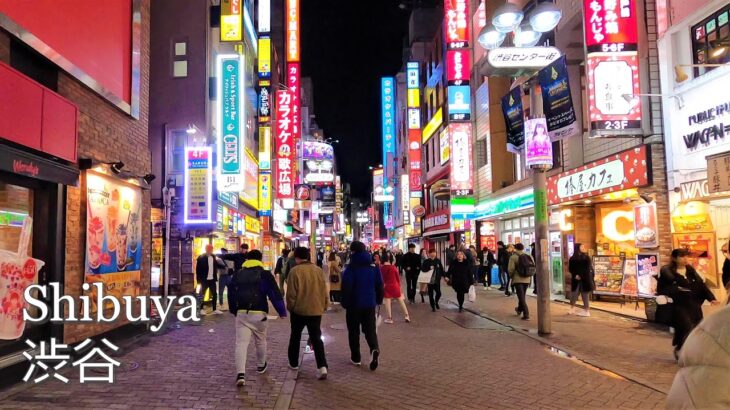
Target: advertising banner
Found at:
x=456, y=22
x=388, y=115
x=293, y=81
x=458, y=67
x=609, y=274
x=444, y=147
x=264, y=19
x=317, y=150
x=557, y=102
x=284, y=146
x=459, y=102
x=627, y=169
x=264, y=194
x=265, y=147
x=113, y=236
x=250, y=194
x=414, y=160
x=647, y=271
x=646, y=226
x=514, y=120
x=292, y=31
x=264, y=52
x=610, y=25
x=230, y=123
x=629, y=284
x=231, y=23
x=462, y=179
x=413, y=75
x=613, y=93
x=198, y=190
x=538, y=147
x=265, y=104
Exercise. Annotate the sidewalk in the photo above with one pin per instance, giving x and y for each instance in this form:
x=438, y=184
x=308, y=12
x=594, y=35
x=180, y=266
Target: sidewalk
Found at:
x=634, y=349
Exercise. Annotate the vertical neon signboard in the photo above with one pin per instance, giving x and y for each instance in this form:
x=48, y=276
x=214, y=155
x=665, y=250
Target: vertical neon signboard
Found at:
x=284, y=146
x=387, y=90
x=198, y=185
x=229, y=83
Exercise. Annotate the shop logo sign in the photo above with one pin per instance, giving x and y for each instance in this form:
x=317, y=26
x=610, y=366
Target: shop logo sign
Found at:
x=26, y=168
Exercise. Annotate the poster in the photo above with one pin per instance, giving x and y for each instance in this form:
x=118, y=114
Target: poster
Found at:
x=198, y=184
x=514, y=120
x=608, y=274
x=647, y=270
x=557, y=102
x=701, y=254
x=538, y=147
x=645, y=226
x=113, y=235
x=629, y=285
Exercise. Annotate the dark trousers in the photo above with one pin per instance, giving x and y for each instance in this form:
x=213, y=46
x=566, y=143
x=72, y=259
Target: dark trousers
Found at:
x=335, y=296
x=411, y=285
x=488, y=275
x=358, y=319
x=521, y=289
x=312, y=323
x=683, y=324
x=504, y=278
x=460, y=298
x=223, y=282
x=434, y=293
x=205, y=285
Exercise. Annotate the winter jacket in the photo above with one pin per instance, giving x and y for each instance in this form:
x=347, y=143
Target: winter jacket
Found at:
x=450, y=256
x=254, y=274
x=687, y=292
x=333, y=269
x=435, y=264
x=362, y=284
x=460, y=276
x=726, y=273
x=306, y=291
x=238, y=259
x=503, y=258
x=201, y=267
x=703, y=380
x=412, y=263
x=580, y=265
x=512, y=269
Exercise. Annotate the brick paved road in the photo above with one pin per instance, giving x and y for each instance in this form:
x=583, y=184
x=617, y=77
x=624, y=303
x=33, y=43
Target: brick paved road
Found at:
x=635, y=349
x=431, y=363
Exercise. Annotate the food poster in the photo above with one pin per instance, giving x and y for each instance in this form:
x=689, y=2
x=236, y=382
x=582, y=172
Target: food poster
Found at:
x=645, y=226
x=629, y=285
x=609, y=274
x=701, y=247
x=113, y=236
x=647, y=271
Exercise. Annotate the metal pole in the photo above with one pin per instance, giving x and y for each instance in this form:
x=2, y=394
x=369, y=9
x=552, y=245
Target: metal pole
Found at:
x=167, y=198
x=539, y=180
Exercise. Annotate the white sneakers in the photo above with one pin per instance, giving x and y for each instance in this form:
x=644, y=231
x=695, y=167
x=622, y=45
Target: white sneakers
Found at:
x=217, y=312
x=584, y=313
x=202, y=312
x=571, y=311
x=322, y=373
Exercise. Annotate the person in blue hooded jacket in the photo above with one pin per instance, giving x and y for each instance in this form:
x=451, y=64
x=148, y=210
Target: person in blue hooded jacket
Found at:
x=362, y=291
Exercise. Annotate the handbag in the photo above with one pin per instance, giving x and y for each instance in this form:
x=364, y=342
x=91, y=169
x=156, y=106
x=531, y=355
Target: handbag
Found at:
x=425, y=277
x=664, y=313
x=472, y=294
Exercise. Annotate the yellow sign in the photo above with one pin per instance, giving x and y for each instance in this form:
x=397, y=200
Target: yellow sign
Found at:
x=264, y=56
x=265, y=193
x=249, y=195
x=231, y=23
x=252, y=224
x=564, y=218
x=433, y=124
x=414, y=97
x=264, y=147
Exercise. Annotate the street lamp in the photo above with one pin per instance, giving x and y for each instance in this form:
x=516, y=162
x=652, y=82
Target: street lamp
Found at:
x=507, y=18
x=545, y=17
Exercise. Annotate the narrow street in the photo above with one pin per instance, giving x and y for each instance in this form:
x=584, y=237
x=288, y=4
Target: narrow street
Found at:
x=441, y=360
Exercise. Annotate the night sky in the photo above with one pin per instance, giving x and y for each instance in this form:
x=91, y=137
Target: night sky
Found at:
x=347, y=45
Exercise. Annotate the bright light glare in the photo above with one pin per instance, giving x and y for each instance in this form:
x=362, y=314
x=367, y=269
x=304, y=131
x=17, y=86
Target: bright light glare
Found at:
x=507, y=17
x=545, y=17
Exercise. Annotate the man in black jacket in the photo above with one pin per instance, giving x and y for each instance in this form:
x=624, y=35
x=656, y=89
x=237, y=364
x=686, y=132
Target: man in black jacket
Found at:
x=412, y=266
x=247, y=298
x=238, y=258
x=205, y=272
x=502, y=262
x=434, y=288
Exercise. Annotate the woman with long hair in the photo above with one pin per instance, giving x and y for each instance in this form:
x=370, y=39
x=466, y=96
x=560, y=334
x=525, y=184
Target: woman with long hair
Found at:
x=460, y=276
x=684, y=292
x=581, y=279
x=334, y=277
x=391, y=288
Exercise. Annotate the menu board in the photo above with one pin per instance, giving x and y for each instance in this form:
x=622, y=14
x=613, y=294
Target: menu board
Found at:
x=609, y=274
x=629, y=286
x=647, y=270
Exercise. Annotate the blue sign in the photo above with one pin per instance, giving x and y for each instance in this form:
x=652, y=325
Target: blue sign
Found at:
x=230, y=113
x=387, y=90
x=459, y=102
x=514, y=120
x=412, y=75
x=557, y=102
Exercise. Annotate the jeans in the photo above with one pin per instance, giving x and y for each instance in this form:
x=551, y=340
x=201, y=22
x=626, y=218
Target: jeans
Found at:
x=312, y=323
x=361, y=319
x=223, y=282
x=488, y=274
x=209, y=284
x=504, y=278
x=411, y=285
x=574, y=296
x=521, y=289
x=247, y=325
x=434, y=290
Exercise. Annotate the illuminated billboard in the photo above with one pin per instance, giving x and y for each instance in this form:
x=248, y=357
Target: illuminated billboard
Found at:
x=229, y=84
x=264, y=16
x=459, y=102
x=231, y=23
x=462, y=178
x=264, y=147
x=198, y=197
x=292, y=31
x=264, y=57
x=458, y=67
x=456, y=22
x=388, y=115
x=284, y=146
x=250, y=194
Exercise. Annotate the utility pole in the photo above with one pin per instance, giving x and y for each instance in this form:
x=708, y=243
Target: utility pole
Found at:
x=539, y=180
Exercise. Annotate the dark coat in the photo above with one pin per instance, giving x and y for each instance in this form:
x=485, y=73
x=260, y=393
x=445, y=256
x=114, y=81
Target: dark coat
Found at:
x=580, y=265
x=460, y=276
x=726, y=273
x=503, y=258
x=362, y=283
x=412, y=263
x=201, y=268
x=435, y=264
x=687, y=293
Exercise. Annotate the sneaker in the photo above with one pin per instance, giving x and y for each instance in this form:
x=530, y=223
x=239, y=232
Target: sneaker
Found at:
x=374, y=359
x=240, y=379
x=501, y=289
x=518, y=311
x=322, y=373
x=571, y=311
x=262, y=369
x=356, y=363
x=388, y=321
x=202, y=312
x=584, y=313
x=525, y=318
x=217, y=312
x=308, y=350
x=293, y=367
x=508, y=294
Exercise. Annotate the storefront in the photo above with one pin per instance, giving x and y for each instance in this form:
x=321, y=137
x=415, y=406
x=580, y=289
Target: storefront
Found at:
x=437, y=232
x=508, y=218
x=600, y=206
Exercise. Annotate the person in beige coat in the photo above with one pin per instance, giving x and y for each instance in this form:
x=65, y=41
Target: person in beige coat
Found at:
x=703, y=380
x=306, y=300
x=520, y=282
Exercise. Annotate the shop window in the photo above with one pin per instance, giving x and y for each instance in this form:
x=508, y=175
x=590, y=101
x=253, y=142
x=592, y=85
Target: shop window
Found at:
x=180, y=69
x=481, y=151
x=16, y=203
x=181, y=49
x=711, y=40
x=508, y=225
x=176, y=150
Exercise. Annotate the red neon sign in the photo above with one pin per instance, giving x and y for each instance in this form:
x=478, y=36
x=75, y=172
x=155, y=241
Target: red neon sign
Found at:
x=458, y=67
x=456, y=20
x=285, y=152
x=610, y=25
x=414, y=159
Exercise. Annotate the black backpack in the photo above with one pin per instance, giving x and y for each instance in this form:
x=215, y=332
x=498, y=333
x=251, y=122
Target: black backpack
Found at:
x=246, y=284
x=526, y=266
